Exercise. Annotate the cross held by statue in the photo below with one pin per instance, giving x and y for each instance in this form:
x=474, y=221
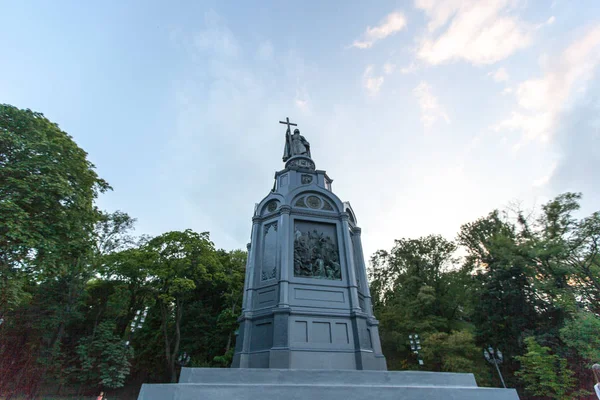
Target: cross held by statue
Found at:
x=288, y=123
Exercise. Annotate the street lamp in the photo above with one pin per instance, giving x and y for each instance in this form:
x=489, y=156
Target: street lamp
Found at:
x=494, y=356
x=183, y=359
x=415, y=346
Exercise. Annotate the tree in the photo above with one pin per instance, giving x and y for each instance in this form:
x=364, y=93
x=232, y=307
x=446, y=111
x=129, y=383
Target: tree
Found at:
x=47, y=190
x=178, y=261
x=546, y=374
x=103, y=358
x=47, y=218
x=130, y=269
x=233, y=263
x=566, y=253
x=504, y=301
x=582, y=333
x=453, y=352
x=417, y=288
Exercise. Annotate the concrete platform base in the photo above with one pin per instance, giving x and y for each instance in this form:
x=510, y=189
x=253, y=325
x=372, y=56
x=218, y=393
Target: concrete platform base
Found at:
x=266, y=384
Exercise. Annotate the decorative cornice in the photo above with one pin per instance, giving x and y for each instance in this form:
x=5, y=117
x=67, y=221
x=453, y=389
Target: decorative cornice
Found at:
x=267, y=312
x=285, y=209
x=356, y=230
x=344, y=216
x=315, y=213
x=358, y=313
x=300, y=163
x=282, y=310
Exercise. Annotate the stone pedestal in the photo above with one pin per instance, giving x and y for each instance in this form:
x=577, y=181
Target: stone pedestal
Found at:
x=306, y=296
x=290, y=384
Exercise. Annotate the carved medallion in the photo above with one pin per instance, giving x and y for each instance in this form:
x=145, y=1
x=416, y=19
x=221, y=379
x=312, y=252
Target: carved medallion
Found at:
x=272, y=206
x=313, y=202
x=306, y=179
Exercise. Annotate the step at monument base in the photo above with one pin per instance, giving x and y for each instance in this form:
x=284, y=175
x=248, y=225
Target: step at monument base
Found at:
x=323, y=377
x=266, y=384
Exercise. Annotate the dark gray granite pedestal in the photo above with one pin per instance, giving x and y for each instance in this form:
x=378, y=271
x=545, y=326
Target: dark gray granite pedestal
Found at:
x=294, y=384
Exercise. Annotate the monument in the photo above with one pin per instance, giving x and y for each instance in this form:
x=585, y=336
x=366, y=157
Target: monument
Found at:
x=307, y=329
x=306, y=296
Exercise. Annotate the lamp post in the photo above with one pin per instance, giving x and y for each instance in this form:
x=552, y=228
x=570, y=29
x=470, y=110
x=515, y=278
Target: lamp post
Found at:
x=494, y=356
x=183, y=359
x=415, y=346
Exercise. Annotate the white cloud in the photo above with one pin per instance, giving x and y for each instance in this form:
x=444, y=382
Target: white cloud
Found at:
x=391, y=24
x=540, y=101
x=431, y=109
x=500, y=75
x=389, y=68
x=302, y=105
x=479, y=32
x=548, y=22
x=370, y=82
x=216, y=37
x=409, y=69
x=507, y=90
x=302, y=100
x=543, y=181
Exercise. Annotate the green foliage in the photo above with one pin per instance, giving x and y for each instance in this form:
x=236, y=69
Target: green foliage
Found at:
x=47, y=218
x=103, y=358
x=582, y=333
x=453, y=352
x=224, y=360
x=504, y=300
x=417, y=288
x=546, y=374
x=188, y=277
x=520, y=276
x=47, y=187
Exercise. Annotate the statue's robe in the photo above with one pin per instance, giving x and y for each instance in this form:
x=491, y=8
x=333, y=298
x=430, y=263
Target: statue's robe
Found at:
x=287, y=151
x=298, y=147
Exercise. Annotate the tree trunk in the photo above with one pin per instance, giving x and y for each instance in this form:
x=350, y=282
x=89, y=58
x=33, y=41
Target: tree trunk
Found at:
x=165, y=316
x=230, y=333
x=122, y=326
x=178, y=314
x=228, y=346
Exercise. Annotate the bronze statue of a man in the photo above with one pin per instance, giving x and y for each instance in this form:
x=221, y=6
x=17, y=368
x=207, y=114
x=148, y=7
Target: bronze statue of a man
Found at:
x=295, y=145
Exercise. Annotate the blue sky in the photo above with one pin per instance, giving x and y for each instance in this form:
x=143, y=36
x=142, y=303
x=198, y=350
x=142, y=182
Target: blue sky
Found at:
x=427, y=114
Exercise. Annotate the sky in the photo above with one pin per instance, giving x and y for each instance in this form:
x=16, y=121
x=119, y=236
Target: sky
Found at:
x=427, y=114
